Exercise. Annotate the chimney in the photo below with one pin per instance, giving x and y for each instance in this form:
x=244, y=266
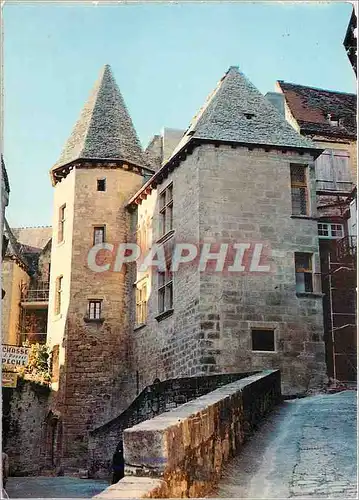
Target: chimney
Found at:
x=277, y=100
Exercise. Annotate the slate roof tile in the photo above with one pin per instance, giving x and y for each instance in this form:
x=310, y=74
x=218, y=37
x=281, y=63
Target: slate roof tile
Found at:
x=310, y=107
x=104, y=129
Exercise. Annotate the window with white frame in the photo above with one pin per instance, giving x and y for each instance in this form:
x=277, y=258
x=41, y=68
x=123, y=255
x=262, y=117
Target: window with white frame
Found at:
x=165, y=291
x=304, y=272
x=141, y=302
x=166, y=210
x=330, y=231
x=332, y=170
x=94, y=309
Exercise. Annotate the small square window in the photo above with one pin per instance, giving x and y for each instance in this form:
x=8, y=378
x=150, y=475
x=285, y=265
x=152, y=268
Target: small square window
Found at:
x=101, y=184
x=262, y=340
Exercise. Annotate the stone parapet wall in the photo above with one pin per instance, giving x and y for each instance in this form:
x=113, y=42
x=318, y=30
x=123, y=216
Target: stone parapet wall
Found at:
x=152, y=401
x=183, y=451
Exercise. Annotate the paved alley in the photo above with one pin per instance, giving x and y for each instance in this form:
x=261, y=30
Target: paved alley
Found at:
x=54, y=487
x=306, y=448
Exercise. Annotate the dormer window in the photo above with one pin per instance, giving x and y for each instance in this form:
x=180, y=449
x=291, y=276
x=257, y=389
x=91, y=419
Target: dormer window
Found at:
x=334, y=120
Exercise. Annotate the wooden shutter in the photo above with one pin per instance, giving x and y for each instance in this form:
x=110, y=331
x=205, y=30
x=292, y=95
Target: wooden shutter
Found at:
x=341, y=167
x=324, y=171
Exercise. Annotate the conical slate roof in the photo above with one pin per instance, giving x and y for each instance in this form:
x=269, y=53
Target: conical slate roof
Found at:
x=237, y=112
x=104, y=129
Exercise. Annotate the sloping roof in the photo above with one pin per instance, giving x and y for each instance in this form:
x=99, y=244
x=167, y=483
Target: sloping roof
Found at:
x=237, y=112
x=15, y=249
x=34, y=237
x=4, y=175
x=310, y=107
x=104, y=129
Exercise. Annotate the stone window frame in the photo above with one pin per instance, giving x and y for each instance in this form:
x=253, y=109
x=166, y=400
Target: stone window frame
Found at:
x=97, y=227
x=141, y=302
x=165, y=207
x=97, y=318
x=262, y=325
x=302, y=185
x=165, y=289
x=61, y=224
x=58, y=294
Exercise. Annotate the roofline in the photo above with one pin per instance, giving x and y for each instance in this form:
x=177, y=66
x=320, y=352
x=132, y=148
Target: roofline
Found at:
x=316, y=88
x=4, y=175
x=78, y=162
x=174, y=162
x=307, y=131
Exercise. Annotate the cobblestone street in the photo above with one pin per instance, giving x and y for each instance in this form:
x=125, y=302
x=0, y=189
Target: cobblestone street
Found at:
x=306, y=448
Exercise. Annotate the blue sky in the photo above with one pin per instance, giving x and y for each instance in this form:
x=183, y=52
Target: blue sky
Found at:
x=166, y=58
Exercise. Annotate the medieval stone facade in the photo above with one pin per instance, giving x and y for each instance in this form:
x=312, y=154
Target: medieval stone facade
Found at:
x=241, y=174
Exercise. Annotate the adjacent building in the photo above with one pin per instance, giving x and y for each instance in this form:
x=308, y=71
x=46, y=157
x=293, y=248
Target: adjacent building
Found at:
x=329, y=119
x=25, y=276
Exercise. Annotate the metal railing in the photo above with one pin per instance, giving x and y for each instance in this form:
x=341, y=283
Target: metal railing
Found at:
x=33, y=338
x=346, y=249
x=38, y=292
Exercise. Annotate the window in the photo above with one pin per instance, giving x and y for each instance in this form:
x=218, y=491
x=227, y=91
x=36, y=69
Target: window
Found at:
x=165, y=291
x=330, y=231
x=141, y=303
x=298, y=180
x=94, y=309
x=98, y=235
x=303, y=272
x=54, y=363
x=61, y=223
x=101, y=184
x=166, y=210
x=332, y=170
x=58, y=295
x=262, y=340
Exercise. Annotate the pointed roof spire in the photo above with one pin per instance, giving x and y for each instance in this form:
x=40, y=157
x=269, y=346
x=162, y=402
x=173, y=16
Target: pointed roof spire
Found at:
x=237, y=112
x=104, y=130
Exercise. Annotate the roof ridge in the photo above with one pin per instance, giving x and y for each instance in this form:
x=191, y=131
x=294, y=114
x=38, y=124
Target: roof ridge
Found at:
x=30, y=227
x=316, y=88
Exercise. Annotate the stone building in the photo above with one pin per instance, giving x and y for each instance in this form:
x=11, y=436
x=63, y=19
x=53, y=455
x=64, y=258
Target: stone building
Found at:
x=239, y=174
x=25, y=278
x=329, y=119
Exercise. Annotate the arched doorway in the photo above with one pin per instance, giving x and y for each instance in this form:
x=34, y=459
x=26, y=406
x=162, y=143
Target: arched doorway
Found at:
x=53, y=439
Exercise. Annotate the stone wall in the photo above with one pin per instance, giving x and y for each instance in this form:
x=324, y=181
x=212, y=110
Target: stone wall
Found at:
x=170, y=346
x=182, y=453
x=24, y=411
x=95, y=382
x=153, y=400
x=235, y=195
x=246, y=197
